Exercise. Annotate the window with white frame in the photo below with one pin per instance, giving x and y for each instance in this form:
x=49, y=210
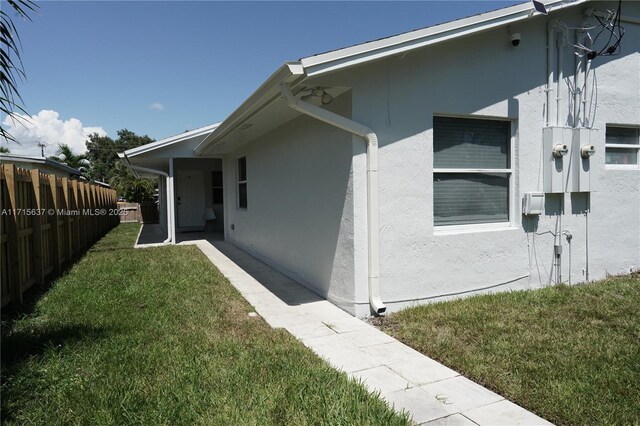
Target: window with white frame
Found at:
x=622, y=145
x=242, y=182
x=471, y=170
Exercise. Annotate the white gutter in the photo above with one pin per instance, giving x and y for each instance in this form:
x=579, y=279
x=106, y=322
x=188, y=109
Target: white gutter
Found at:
x=399, y=44
x=262, y=98
x=370, y=138
x=171, y=140
x=170, y=212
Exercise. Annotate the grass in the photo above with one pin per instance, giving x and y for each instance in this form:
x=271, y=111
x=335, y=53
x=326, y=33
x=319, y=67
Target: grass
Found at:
x=158, y=336
x=570, y=354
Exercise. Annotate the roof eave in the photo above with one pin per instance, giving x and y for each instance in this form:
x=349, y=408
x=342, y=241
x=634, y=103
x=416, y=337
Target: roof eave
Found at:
x=269, y=91
x=294, y=72
x=402, y=43
x=42, y=160
x=170, y=141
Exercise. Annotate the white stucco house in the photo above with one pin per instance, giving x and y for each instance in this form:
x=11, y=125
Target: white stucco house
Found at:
x=494, y=152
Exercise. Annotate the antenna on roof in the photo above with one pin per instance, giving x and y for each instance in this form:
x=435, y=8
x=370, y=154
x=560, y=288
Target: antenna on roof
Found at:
x=540, y=7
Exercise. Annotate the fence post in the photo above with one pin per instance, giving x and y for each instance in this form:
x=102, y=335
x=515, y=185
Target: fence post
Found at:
x=37, y=228
x=12, y=234
x=81, y=225
x=55, y=232
x=76, y=218
x=67, y=218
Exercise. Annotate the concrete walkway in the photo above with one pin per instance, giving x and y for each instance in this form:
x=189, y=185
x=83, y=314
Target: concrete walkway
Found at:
x=432, y=393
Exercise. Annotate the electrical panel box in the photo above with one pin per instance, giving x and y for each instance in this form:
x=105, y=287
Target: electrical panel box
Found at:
x=556, y=144
x=533, y=203
x=583, y=175
x=570, y=157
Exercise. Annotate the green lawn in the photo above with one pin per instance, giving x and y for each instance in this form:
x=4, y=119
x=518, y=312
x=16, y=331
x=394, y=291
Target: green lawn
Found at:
x=158, y=336
x=570, y=354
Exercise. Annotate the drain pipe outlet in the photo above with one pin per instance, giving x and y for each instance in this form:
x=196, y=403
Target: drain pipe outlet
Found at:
x=370, y=138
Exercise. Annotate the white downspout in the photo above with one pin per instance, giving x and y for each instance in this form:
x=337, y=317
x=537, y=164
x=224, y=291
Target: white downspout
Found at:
x=170, y=231
x=370, y=138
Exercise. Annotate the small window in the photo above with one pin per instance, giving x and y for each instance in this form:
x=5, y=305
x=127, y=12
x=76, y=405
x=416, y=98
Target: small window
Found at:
x=471, y=171
x=242, y=183
x=218, y=189
x=622, y=146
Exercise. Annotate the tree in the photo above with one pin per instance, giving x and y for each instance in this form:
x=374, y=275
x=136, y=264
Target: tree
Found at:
x=4, y=150
x=133, y=189
x=103, y=155
x=11, y=69
x=65, y=155
x=102, y=152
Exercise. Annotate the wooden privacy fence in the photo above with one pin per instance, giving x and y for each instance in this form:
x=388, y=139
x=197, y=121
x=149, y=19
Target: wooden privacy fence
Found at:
x=45, y=221
x=130, y=212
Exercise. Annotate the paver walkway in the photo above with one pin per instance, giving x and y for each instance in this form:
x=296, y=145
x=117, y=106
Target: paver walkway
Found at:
x=432, y=393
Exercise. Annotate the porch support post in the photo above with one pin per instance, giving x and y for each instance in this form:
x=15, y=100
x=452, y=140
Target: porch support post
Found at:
x=171, y=205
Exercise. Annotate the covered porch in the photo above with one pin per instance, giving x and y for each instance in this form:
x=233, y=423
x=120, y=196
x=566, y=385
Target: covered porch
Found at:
x=190, y=188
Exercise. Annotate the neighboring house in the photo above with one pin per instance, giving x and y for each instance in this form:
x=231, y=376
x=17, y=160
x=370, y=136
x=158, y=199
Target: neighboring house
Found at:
x=45, y=165
x=394, y=172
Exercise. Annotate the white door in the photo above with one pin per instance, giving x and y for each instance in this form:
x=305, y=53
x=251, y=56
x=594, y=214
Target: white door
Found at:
x=190, y=198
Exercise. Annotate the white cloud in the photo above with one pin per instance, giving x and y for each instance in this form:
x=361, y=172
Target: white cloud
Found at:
x=156, y=106
x=47, y=127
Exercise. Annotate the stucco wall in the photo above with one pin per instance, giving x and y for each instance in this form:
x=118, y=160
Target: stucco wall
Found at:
x=485, y=75
x=307, y=181
x=300, y=213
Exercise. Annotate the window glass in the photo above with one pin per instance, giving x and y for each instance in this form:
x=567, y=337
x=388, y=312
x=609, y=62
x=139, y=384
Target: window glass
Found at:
x=242, y=182
x=615, y=154
x=462, y=143
x=467, y=187
x=463, y=198
x=242, y=169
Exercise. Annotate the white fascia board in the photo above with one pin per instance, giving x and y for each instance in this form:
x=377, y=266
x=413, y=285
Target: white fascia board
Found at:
x=402, y=43
x=170, y=140
x=267, y=93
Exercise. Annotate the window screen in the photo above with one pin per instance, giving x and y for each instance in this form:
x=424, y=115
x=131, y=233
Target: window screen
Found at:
x=471, y=171
x=622, y=145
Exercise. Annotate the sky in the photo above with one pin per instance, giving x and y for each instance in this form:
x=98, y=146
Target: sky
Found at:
x=159, y=68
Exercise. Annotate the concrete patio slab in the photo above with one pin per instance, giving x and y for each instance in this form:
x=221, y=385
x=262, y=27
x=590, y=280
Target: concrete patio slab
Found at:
x=461, y=393
x=365, y=337
x=418, y=403
x=406, y=379
x=452, y=420
x=504, y=413
x=381, y=379
x=341, y=353
x=422, y=370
